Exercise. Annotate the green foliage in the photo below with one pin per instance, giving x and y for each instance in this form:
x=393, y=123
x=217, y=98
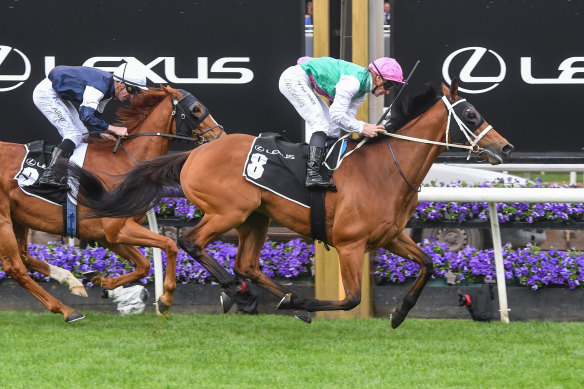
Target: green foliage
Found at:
x=269, y=351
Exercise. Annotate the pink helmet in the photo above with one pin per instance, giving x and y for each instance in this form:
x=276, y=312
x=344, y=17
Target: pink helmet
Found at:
x=388, y=69
x=303, y=59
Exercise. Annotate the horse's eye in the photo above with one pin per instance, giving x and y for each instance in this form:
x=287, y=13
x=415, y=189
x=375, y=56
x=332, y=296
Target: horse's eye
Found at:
x=472, y=116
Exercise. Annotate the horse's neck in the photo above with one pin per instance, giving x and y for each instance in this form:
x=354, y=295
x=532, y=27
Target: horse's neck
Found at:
x=416, y=158
x=149, y=146
x=100, y=157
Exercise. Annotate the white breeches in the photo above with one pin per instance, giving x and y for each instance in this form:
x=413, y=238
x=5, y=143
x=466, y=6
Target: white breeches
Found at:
x=295, y=86
x=61, y=113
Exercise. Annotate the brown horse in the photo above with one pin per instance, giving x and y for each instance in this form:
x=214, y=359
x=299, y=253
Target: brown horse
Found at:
x=163, y=113
x=376, y=197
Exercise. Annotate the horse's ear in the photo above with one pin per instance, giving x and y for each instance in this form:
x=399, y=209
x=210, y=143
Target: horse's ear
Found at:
x=445, y=90
x=454, y=89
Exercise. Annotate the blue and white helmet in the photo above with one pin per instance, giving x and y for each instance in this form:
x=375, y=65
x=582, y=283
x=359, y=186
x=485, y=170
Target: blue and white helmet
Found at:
x=131, y=74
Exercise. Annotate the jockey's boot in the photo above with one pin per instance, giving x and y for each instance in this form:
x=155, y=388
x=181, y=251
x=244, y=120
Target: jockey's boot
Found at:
x=50, y=177
x=313, y=178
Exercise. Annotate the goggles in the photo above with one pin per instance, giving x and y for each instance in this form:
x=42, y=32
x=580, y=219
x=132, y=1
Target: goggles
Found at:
x=132, y=90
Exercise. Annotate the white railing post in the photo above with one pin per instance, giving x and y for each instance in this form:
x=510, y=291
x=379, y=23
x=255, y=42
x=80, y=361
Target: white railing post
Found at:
x=499, y=266
x=157, y=255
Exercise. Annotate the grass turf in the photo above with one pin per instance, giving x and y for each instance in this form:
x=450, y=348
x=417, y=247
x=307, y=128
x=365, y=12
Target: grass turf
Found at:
x=269, y=351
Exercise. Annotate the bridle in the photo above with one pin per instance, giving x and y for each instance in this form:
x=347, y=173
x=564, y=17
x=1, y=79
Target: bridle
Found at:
x=186, y=126
x=455, y=110
x=468, y=133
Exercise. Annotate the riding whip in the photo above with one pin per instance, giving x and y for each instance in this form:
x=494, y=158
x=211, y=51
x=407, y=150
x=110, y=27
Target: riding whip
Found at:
x=399, y=93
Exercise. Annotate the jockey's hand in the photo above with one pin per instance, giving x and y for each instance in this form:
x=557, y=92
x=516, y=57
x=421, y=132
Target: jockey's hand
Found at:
x=371, y=130
x=121, y=132
x=105, y=135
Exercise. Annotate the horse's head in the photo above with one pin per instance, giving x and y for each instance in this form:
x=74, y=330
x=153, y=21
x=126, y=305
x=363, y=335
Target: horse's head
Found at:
x=192, y=117
x=175, y=112
x=472, y=130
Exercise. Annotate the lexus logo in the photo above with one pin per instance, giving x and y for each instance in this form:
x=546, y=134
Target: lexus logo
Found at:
x=13, y=80
x=465, y=75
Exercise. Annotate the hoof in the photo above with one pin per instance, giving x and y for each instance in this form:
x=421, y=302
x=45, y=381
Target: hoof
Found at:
x=94, y=276
x=226, y=302
x=286, y=302
x=396, y=317
x=79, y=291
x=74, y=317
x=304, y=316
x=162, y=308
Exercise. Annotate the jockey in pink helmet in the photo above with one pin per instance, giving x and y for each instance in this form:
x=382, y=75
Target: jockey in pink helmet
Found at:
x=345, y=85
x=389, y=71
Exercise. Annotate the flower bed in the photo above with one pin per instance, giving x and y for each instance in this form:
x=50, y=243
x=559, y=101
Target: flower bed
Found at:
x=530, y=266
x=507, y=212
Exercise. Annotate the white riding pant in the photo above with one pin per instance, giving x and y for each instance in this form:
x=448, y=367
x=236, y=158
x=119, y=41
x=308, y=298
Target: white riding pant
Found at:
x=61, y=113
x=296, y=87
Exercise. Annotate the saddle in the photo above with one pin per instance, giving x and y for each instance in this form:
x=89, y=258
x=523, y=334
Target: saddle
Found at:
x=38, y=155
x=35, y=161
x=277, y=165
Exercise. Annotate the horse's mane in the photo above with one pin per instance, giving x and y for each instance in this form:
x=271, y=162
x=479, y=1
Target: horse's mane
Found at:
x=410, y=107
x=141, y=106
x=131, y=116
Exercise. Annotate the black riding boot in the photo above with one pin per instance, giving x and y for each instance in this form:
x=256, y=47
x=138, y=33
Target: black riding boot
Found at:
x=49, y=177
x=313, y=178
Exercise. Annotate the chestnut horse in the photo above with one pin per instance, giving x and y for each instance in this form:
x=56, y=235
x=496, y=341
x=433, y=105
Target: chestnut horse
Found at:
x=152, y=125
x=377, y=196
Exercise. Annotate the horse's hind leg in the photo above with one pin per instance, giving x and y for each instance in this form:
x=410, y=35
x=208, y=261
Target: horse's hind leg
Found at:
x=194, y=243
x=252, y=235
x=351, y=262
x=405, y=247
x=14, y=267
x=61, y=275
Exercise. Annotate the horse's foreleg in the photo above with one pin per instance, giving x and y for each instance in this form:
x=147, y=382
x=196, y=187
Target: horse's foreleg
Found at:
x=123, y=243
x=405, y=247
x=351, y=263
x=14, y=267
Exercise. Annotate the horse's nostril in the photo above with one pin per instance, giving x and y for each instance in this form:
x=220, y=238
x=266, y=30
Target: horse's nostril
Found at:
x=507, y=149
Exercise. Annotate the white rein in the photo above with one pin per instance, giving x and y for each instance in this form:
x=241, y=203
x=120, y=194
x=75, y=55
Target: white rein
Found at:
x=470, y=136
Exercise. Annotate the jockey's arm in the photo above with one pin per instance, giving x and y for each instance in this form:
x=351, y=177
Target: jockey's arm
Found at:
x=340, y=109
x=344, y=108
x=88, y=110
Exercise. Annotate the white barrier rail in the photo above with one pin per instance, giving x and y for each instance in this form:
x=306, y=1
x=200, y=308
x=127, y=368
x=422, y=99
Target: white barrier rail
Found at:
x=525, y=167
x=501, y=195
x=572, y=168
x=157, y=255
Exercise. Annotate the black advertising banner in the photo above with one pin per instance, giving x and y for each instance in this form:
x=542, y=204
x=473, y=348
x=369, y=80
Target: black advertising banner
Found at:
x=228, y=53
x=521, y=63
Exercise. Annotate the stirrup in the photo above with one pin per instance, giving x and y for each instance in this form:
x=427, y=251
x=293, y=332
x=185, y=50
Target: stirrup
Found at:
x=50, y=181
x=321, y=185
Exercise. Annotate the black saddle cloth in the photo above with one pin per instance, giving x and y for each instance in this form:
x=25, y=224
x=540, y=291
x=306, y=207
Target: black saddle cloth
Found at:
x=33, y=166
x=279, y=166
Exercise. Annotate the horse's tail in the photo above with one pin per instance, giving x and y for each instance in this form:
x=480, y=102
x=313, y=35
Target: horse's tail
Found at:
x=141, y=188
